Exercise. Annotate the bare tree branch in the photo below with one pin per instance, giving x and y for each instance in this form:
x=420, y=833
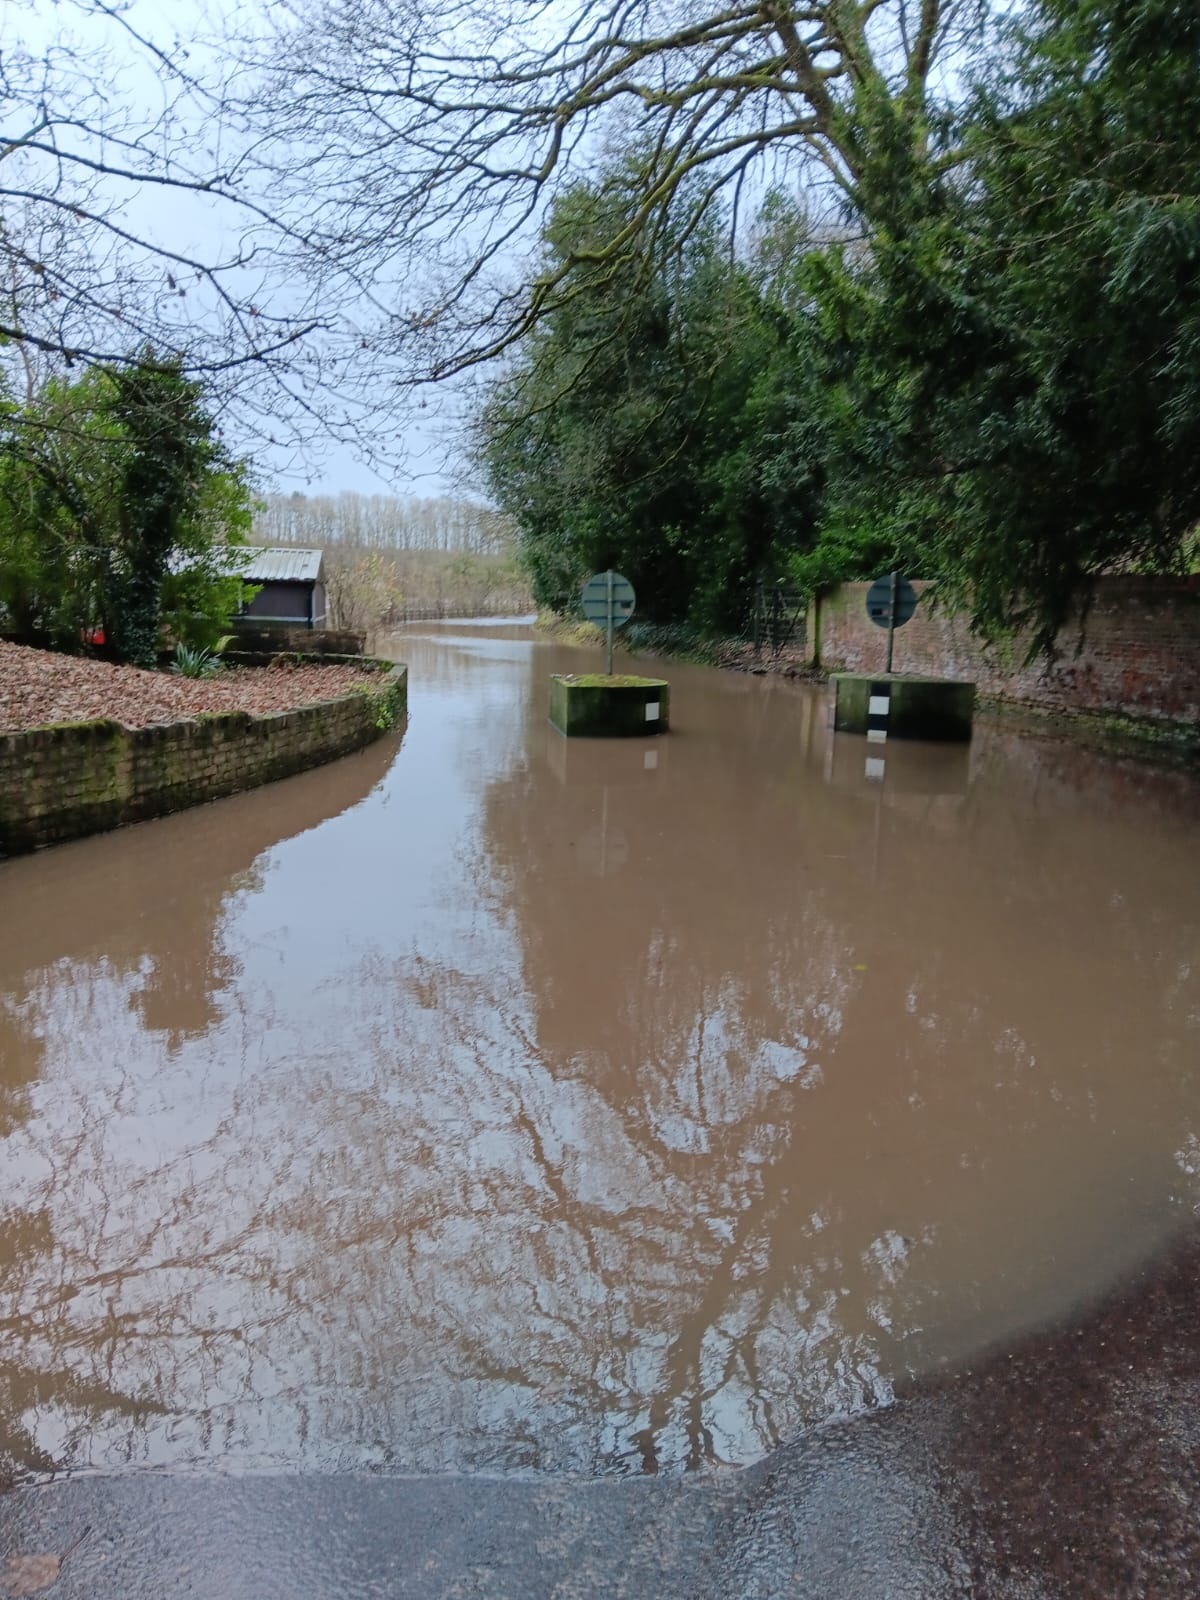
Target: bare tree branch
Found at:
x=133, y=219
x=427, y=144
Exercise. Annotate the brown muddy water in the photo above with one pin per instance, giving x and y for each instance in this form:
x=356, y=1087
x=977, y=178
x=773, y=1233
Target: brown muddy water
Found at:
x=489, y=1101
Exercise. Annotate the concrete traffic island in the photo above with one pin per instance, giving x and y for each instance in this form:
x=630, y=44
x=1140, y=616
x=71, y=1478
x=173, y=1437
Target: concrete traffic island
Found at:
x=900, y=706
x=599, y=706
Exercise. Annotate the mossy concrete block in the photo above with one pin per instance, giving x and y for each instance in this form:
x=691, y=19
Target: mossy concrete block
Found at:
x=595, y=706
x=917, y=708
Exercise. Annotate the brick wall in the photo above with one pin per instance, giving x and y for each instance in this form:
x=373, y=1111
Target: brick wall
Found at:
x=1138, y=654
x=62, y=782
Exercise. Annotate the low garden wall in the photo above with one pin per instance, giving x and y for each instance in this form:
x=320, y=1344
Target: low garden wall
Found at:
x=250, y=634
x=62, y=782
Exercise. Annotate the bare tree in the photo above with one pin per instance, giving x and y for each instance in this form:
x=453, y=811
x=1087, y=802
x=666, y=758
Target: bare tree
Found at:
x=345, y=204
x=427, y=141
x=364, y=590
x=134, y=220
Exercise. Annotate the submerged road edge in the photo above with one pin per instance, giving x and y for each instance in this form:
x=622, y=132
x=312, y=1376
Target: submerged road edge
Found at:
x=1065, y=1465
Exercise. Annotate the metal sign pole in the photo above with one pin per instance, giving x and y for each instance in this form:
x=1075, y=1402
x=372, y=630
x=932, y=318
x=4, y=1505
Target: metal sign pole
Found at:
x=610, y=625
x=891, y=623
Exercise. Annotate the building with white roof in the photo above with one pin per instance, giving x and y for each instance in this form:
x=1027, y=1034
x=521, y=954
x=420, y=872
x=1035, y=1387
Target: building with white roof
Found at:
x=291, y=587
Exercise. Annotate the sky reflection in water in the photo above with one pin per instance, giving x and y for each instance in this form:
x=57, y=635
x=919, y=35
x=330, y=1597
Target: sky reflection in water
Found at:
x=491, y=1101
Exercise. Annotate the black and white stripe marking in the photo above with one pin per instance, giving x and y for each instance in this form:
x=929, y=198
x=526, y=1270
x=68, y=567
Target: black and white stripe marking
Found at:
x=878, y=708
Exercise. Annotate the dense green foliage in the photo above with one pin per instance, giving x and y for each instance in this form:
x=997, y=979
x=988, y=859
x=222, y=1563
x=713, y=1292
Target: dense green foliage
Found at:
x=1089, y=247
x=641, y=428
x=118, y=511
x=992, y=379
x=1019, y=361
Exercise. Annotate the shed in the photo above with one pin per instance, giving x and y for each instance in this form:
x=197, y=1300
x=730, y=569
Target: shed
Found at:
x=291, y=587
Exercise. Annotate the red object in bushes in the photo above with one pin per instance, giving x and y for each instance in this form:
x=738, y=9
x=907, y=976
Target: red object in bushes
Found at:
x=93, y=636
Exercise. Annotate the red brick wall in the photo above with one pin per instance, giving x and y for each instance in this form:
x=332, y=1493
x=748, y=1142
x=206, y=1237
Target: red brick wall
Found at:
x=1139, y=653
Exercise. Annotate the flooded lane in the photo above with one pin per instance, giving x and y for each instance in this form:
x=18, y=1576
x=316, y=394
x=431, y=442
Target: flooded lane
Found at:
x=491, y=1101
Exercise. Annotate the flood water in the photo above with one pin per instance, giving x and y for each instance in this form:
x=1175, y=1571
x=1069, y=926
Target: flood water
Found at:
x=492, y=1101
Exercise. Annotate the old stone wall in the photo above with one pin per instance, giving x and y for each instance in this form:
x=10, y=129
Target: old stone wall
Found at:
x=1136, y=653
x=253, y=634
x=62, y=782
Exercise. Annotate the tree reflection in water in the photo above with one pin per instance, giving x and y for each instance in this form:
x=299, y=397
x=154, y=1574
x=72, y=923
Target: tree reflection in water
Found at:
x=528, y=1150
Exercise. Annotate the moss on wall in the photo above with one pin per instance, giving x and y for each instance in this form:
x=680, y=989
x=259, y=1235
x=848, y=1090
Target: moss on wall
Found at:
x=70, y=779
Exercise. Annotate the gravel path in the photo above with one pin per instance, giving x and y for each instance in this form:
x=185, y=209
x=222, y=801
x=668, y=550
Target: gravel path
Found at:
x=38, y=687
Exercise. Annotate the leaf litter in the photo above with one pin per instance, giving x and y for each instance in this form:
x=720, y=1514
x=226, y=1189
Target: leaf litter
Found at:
x=38, y=687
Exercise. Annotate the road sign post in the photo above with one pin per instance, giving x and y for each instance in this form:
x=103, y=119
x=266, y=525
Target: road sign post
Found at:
x=891, y=602
x=596, y=704
x=609, y=638
x=905, y=706
x=608, y=598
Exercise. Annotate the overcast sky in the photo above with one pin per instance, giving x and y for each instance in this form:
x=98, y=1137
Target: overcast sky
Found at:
x=191, y=223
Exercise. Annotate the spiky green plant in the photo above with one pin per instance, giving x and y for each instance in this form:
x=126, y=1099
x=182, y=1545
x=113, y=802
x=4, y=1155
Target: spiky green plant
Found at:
x=192, y=662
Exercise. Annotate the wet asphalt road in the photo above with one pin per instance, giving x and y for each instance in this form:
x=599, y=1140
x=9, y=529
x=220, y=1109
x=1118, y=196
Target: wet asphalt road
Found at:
x=1068, y=1466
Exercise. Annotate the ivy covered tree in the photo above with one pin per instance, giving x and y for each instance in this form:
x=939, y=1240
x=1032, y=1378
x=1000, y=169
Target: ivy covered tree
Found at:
x=1085, y=242
x=1016, y=367
x=997, y=386
x=120, y=513
x=166, y=447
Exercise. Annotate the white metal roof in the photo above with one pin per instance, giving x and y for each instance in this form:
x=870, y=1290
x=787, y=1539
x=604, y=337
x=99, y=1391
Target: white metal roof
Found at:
x=281, y=564
x=265, y=563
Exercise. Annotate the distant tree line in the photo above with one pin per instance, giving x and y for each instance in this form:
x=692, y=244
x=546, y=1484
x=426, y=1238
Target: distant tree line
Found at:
x=387, y=556
x=384, y=522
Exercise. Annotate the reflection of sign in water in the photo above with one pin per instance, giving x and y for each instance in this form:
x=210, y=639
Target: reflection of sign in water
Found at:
x=597, y=764
x=603, y=851
x=903, y=768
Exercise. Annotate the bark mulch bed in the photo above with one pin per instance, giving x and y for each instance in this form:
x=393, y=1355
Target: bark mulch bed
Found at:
x=38, y=687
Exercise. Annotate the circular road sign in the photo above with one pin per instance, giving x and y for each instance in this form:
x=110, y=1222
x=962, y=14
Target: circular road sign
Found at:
x=595, y=599
x=879, y=601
